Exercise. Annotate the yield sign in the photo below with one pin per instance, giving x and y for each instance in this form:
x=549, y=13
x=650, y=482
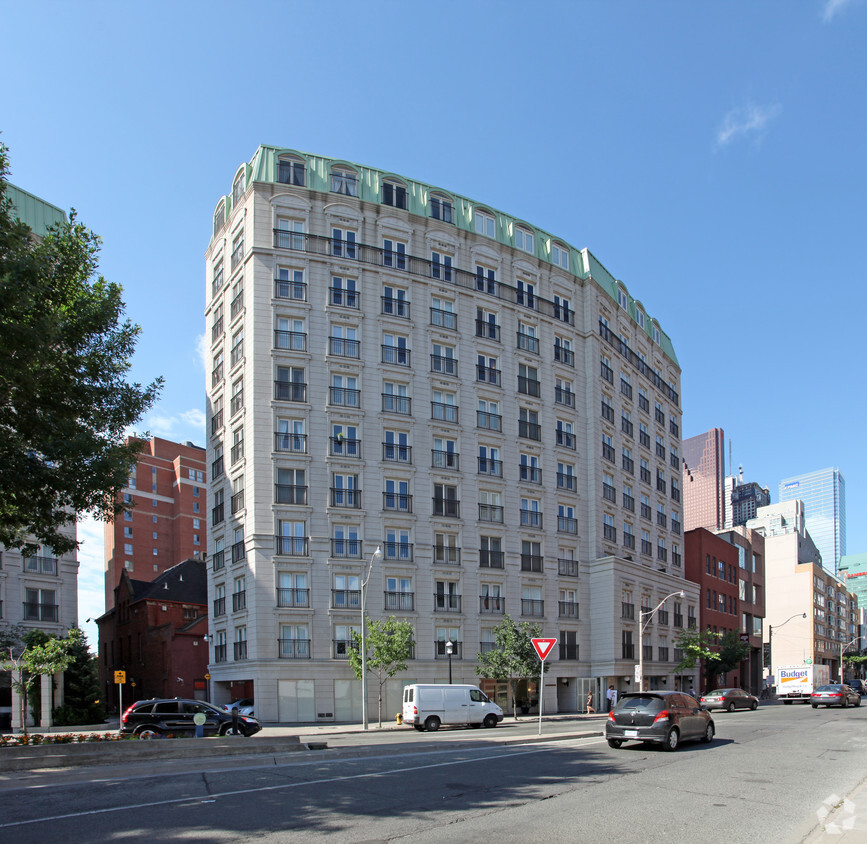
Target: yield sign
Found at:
x=543, y=647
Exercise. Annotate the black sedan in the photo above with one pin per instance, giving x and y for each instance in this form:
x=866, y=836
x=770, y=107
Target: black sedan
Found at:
x=835, y=694
x=729, y=699
x=660, y=717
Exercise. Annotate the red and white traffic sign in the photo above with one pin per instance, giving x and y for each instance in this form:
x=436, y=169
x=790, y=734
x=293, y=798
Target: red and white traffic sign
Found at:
x=543, y=647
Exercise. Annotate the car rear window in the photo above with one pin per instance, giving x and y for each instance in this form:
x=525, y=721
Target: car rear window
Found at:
x=649, y=702
x=828, y=689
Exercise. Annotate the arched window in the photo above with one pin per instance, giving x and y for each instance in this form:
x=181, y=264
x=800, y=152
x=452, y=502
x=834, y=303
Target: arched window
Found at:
x=524, y=239
x=219, y=218
x=291, y=171
x=239, y=187
x=345, y=181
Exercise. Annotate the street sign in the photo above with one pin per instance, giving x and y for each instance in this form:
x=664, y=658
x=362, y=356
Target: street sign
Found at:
x=543, y=647
x=120, y=676
x=638, y=676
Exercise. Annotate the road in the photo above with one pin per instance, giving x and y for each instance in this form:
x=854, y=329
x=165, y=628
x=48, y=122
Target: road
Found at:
x=763, y=778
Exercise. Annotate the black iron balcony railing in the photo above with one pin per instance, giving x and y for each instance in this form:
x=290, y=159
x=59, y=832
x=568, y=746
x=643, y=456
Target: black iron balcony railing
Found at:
x=350, y=498
x=40, y=612
x=399, y=601
x=396, y=355
x=529, y=430
x=400, y=501
x=565, y=397
x=494, y=468
x=219, y=606
x=491, y=421
x=397, y=551
x=530, y=474
x=568, y=609
x=443, y=365
x=290, y=391
x=341, y=446
x=488, y=330
x=488, y=374
x=446, y=602
x=346, y=549
x=492, y=604
x=627, y=611
x=218, y=560
x=441, y=652
x=567, y=524
x=529, y=386
x=295, y=443
x=533, y=607
x=442, y=412
x=531, y=518
x=294, y=648
x=346, y=599
x=446, y=555
x=491, y=513
x=344, y=298
x=396, y=404
x=564, y=355
x=395, y=453
x=286, y=289
x=340, y=347
x=492, y=559
x=237, y=502
x=528, y=343
x=239, y=600
x=290, y=494
x=395, y=307
x=567, y=568
x=289, y=598
x=447, y=507
x=444, y=319
x=344, y=397
x=291, y=341
x=445, y=459
x=239, y=552
x=291, y=546
x=532, y=562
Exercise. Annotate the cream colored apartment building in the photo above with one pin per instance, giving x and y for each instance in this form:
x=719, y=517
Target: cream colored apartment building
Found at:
x=397, y=366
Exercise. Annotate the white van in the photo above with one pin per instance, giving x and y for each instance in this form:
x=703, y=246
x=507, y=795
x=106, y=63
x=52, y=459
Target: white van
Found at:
x=425, y=707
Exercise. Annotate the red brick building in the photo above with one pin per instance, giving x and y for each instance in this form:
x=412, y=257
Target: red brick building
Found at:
x=156, y=634
x=168, y=520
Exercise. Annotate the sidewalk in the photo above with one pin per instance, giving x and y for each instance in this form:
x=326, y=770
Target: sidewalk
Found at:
x=843, y=820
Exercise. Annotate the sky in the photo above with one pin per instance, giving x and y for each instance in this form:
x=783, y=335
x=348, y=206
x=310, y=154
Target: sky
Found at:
x=710, y=155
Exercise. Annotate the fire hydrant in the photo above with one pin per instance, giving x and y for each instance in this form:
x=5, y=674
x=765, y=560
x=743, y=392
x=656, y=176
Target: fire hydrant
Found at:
x=399, y=718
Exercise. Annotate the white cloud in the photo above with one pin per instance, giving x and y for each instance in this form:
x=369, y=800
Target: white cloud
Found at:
x=746, y=121
x=180, y=427
x=202, y=349
x=833, y=8
x=91, y=577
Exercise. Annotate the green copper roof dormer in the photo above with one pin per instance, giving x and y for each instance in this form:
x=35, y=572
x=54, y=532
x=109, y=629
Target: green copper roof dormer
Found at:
x=35, y=212
x=263, y=167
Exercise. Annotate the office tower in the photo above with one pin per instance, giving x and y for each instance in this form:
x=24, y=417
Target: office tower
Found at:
x=704, y=480
x=824, y=495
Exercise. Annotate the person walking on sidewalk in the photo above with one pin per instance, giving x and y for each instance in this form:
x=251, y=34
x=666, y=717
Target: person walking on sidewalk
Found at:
x=590, y=703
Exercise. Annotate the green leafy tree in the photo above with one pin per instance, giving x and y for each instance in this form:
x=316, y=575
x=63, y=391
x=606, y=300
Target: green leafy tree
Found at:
x=720, y=652
x=42, y=655
x=513, y=657
x=389, y=646
x=65, y=404
x=81, y=694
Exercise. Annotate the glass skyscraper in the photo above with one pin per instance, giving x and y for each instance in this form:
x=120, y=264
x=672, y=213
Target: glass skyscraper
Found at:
x=824, y=495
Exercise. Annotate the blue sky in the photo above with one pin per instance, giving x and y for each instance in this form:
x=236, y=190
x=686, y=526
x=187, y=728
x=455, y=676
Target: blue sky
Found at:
x=709, y=154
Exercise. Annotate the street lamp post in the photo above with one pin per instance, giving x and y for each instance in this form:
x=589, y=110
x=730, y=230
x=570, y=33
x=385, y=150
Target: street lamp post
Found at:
x=450, y=649
x=842, y=650
x=375, y=558
x=642, y=624
x=771, y=641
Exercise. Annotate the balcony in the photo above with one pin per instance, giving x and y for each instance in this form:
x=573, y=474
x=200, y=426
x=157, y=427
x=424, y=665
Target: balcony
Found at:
x=219, y=606
x=529, y=386
x=237, y=305
x=532, y=562
x=528, y=343
x=492, y=559
x=529, y=430
x=294, y=648
x=217, y=422
x=490, y=421
x=292, y=443
x=565, y=397
x=217, y=514
x=491, y=513
x=237, y=502
x=445, y=460
x=629, y=540
x=218, y=560
x=236, y=453
x=346, y=549
x=239, y=601
x=289, y=391
x=609, y=532
x=239, y=552
x=396, y=355
x=644, y=474
x=443, y=365
x=628, y=503
x=568, y=609
x=217, y=468
x=627, y=611
x=530, y=474
x=443, y=412
x=444, y=602
x=627, y=651
x=532, y=607
x=290, y=341
x=288, y=598
x=394, y=453
x=399, y=601
x=566, y=481
x=220, y=653
x=645, y=512
x=440, y=650
x=396, y=404
x=342, y=348
x=625, y=388
x=395, y=307
x=493, y=468
x=606, y=372
x=488, y=330
x=492, y=604
x=402, y=551
x=400, y=502
x=647, y=547
x=285, y=289
x=531, y=518
x=661, y=519
x=445, y=555
x=344, y=397
x=444, y=319
x=342, y=648
x=341, y=446
x=662, y=617
x=609, y=493
x=290, y=494
x=446, y=507
x=564, y=355
x=567, y=568
x=660, y=451
x=659, y=416
x=291, y=546
x=627, y=427
x=628, y=464
x=343, y=298
x=488, y=375
x=348, y=498
x=345, y=599
x=608, y=453
x=607, y=412
x=644, y=438
x=567, y=524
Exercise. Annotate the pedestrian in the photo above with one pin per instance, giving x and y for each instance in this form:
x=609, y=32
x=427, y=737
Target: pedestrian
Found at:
x=611, y=698
x=691, y=690
x=590, y=703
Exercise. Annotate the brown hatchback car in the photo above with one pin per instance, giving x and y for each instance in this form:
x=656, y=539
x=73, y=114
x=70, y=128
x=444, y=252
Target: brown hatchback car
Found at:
x=661, y=717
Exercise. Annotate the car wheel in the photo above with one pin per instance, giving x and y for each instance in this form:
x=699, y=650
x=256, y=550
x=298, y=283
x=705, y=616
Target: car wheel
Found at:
x=615, y=743
x=814, y=705
x=754, y=705
x=227, y=730
x=858, y=702
x=490, y=720
x=844, y=703
x=731, y=706
x=147, y=732
x=432, y=723
x=671, y=740
x=707, y=738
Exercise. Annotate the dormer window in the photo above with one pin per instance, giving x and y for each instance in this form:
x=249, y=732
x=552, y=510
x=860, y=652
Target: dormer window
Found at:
x=219, y=218
x=485, y=223
x=238, y=188
x=560, y=256
x=622, y=298
x=394, y=194
x=441, y=208
x=524, y=240
x=291, y=171
x=656, y=335
x=344, y=181
x=639, y=317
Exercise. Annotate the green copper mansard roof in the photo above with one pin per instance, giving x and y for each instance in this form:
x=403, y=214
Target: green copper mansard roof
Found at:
x=263, y=167
x=35, y=212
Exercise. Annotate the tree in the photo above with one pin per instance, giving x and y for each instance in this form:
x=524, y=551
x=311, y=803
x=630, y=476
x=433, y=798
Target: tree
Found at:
x=513, y=657
x=65, y=404
x=43, y=655
x=721, y=652
x=81, y=689
x=389, y=646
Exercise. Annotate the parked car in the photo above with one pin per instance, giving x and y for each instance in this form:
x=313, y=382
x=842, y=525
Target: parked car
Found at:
x=835, y=694
x=175, y=716
x=858, y=685
x=244, y=705
x=729, y=699
x=662, y=717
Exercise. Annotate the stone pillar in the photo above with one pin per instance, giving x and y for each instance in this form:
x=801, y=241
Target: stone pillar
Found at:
x=17, y=726
x=46, y=684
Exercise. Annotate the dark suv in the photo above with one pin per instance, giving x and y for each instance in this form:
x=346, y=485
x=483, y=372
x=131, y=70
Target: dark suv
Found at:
x=662, y=717
x=176, y=717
